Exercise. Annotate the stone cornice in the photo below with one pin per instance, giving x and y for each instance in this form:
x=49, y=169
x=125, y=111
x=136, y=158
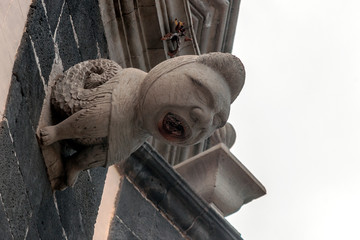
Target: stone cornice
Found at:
x=171, y=195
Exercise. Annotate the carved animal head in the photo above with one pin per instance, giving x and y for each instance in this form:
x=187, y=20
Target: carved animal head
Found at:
x=185, y=99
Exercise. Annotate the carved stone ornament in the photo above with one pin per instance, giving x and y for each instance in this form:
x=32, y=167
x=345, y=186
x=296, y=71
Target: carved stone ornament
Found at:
x=175, y=37
x=105, y=112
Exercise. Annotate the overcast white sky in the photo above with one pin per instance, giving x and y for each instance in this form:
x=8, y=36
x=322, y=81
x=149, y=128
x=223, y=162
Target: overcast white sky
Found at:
x=298, y=118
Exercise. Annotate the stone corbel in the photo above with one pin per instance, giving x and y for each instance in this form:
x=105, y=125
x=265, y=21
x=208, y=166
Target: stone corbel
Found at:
x=221, y=179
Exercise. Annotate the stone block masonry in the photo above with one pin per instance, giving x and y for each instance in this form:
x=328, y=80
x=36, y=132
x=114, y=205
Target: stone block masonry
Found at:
x=57, y=35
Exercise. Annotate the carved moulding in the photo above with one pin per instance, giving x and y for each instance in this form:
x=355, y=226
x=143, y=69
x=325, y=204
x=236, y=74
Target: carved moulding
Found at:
x=173, y=197
x=103, y=113
x=221, y=179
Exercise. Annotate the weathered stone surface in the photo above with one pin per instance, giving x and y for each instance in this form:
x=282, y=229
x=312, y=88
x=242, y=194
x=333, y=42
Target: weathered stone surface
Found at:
x=202, y=228
x=12, y=188
x=146, y=3
x=214, y=23
x=69, y=52
x=151, y=31
x=4, y=222
x=173, y=205
x=27, y=207
x=32, y=230
x=53, y=10
x=156, y=56
x=31, y=90
x=38, y=28
x=114, y=31
x=48, y=220
x=69, y=212
x=88, y=192
x=137, y=217
x=23, y=109
x=86, y=18
x=119, y=230
x=25, y=143
x=30, y=159
x=78, y=206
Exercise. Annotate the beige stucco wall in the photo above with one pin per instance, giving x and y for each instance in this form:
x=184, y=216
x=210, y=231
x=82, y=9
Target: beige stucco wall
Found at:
x=13, y=14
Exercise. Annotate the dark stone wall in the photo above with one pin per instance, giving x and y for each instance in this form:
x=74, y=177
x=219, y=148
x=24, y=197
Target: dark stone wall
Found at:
x=28, y=207
x=137, y=218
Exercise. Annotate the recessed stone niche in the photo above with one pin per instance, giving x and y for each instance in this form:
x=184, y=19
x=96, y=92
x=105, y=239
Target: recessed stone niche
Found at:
x=221, y=179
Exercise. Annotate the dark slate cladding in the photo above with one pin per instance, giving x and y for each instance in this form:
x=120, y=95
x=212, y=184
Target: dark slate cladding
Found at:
x=137, y=218
x=88, y=193
x=37, y=27
x=23, y=109
x=70, y=214
x=31, y=87
x=69, y=53
x=4, y=223
x=78, y=206
x=28, y=207
x=86, y=19
x=14, y=199
x=119, y=230
x=48, y=220
x=53, y=10
x=22, y=112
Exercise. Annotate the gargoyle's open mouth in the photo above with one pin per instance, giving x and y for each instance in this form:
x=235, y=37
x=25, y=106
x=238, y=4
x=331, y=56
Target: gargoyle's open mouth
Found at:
x=174, y=128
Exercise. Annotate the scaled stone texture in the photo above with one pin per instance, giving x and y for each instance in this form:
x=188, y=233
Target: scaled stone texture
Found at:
x=105, y=112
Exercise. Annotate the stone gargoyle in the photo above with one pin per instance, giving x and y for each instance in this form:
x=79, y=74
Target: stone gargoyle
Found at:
x=107, y=112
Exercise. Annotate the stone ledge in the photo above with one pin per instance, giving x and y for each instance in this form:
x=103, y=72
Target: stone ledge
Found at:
x=165, y=188
x=221, y=179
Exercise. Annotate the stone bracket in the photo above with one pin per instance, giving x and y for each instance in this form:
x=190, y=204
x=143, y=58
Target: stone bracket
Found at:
x=221, y=179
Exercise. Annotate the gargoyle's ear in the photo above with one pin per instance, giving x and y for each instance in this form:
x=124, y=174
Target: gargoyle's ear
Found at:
x=228, y=66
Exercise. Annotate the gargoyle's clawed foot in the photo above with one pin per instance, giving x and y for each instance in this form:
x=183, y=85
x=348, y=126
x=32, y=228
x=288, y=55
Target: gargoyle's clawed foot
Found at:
x=48, y=135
